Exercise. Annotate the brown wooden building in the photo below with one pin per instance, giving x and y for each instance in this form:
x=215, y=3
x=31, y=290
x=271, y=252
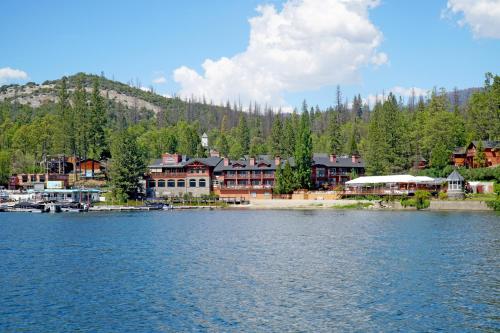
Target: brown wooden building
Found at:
x=177, y=175
x=467, y=156
x=248, y=178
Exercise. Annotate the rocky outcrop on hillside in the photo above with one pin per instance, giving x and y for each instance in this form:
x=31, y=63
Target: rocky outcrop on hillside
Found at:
x=36, y=95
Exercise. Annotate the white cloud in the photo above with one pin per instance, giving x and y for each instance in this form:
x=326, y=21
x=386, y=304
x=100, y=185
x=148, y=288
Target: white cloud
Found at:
x=398, y=91
x=160, y=80
x=307, y=45
x=145, y=89
x=483, y=16
x=9, y=74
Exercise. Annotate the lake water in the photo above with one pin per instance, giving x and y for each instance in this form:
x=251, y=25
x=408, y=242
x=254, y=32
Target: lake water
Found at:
x=253, y=271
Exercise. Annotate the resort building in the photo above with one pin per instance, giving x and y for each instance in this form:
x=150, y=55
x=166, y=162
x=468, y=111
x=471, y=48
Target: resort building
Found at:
x=178, y=175
x=249, y=177
x=329, y=171
x=467, y=156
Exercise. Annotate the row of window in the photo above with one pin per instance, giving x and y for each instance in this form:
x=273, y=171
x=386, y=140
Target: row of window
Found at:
x=245, y=182
x=320, y=172
x=246, y=173
x=41, y=178
x=179, y=183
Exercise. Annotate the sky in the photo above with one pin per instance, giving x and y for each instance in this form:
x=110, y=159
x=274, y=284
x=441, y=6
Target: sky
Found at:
x=277, y=52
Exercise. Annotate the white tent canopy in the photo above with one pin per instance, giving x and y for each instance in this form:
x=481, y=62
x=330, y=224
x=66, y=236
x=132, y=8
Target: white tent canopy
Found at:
x=390, y=179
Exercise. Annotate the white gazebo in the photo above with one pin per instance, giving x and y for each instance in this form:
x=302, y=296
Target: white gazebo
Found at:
x=455, y=185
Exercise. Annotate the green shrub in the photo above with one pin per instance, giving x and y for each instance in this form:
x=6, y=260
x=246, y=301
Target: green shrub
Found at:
x=495, y=204
x=443, y=195
x=420, y=200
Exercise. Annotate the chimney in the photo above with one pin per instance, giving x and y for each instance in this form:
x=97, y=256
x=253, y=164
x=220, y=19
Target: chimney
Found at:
x=333, y=158
x=252, y=161
x=354, y=158
x=170, y=158
x=277, y=160
x=226, y=161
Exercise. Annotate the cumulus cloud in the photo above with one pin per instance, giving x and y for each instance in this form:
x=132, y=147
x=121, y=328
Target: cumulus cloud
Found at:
x=160, y=80
x=398, y=91
x=483, y=16
x=10, y=74
x=306, y=45
x=145, y=89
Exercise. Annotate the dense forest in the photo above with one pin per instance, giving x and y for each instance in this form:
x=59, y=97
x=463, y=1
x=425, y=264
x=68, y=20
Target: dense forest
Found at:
x=84, y=121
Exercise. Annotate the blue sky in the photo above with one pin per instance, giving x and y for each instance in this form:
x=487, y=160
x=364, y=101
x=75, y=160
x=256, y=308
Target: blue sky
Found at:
x=425, y=45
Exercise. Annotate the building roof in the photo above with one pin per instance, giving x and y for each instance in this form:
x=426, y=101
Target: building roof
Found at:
x=390, y=179
x=487, y=144
x=340, y=161
x=262, y=162
x=209, y=161
x=455, y=175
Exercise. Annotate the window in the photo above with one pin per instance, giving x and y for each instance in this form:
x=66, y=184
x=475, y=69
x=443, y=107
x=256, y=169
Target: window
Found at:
x=192, y=183
x=171, y=183
x=243, y=182
x=181, y=183
x=202, y=183
x=25, y=178
x=268, y=172
x=33, y=178
x=42, y=178
x=255, y=182
x=320, y=172
x=242, y=173
x=151, y=183
x=253, y=194
x=332, y=171
x=161, y=183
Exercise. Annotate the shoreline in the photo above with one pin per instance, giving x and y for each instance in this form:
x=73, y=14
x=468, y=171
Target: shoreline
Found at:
x=349, y=204
x=301, y=204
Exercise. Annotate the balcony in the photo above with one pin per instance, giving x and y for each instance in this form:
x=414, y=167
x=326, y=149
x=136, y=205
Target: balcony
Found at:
x=169, y=174
x=244, y=187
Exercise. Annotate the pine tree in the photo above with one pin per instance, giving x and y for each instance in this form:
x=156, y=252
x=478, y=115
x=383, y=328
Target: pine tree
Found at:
x=126, y=167
x=278, y=181
x=97, y=123
x=65, y=135
x=288, y=138
x=334, y=134
x=276, y=137
x=480, y=158
x=243, y=135
x=303, y=152
x=81, y=120
x=222, y=145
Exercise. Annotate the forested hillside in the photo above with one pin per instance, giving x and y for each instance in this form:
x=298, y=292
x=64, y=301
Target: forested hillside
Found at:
x=82, y=115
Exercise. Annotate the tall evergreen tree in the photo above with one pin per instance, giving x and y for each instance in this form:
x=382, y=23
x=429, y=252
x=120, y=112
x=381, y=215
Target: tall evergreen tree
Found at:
x=97, y=123
x=243, y=134
x=303, y=152
x=81, y=118
x=276, y=137
x=127, y=166
x=334, y=133
x=288, y=137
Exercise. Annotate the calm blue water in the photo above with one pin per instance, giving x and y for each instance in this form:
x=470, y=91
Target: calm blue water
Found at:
x=263, y=271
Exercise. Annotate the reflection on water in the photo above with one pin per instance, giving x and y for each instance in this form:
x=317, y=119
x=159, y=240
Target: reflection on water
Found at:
x=315, y=271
